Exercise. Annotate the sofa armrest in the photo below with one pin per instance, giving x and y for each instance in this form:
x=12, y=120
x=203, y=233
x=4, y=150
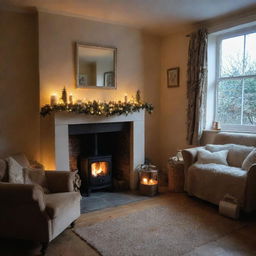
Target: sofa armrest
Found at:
x=189, y=156
x=21, y=194
x=60, y=181
x=251, y=189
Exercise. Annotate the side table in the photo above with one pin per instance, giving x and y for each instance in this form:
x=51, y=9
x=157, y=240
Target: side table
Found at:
x=175, y=175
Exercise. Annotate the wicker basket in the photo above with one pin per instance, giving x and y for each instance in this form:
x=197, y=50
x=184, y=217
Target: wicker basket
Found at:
x=148, y=190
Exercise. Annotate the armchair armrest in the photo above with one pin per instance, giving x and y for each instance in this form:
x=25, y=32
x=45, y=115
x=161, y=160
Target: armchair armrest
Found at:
x=250, y=191
x=21, y=194
x=60, y=181
x=23, y=214
x=189, y=156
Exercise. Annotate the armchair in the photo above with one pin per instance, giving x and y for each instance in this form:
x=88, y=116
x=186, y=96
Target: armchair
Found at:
x=30, y=214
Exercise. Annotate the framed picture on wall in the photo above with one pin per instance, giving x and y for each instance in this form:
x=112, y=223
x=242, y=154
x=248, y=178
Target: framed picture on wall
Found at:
x=82, y=80
x=173, y=77
x=109, y=79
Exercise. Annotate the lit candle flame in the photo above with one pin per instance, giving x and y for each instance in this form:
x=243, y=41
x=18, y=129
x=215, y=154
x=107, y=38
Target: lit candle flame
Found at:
x=146, y=181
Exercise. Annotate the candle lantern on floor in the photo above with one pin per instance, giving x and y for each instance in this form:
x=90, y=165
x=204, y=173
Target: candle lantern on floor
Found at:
x=148, y=180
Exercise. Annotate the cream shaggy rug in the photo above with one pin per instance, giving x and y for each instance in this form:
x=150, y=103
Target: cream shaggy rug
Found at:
x=162, y=230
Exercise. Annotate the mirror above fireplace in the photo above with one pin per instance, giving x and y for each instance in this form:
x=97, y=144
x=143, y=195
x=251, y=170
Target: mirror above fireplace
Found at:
x=96, y=66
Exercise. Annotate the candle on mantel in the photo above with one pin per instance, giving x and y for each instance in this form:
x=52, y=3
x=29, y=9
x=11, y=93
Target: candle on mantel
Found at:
x=70, y=98
x=53, y=99
x=125, y=98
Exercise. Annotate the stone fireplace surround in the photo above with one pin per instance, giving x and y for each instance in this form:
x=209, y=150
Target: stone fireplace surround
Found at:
x=55, y=145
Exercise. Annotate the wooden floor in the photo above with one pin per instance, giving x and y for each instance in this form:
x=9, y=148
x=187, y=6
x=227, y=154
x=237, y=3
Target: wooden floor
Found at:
x=239, y=242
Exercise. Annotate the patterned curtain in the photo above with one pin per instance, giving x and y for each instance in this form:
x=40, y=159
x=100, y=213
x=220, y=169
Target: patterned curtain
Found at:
x=196, y=85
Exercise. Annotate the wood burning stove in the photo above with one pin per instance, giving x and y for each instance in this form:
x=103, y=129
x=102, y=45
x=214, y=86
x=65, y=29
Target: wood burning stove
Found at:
x=101, y=153
x=95, y=171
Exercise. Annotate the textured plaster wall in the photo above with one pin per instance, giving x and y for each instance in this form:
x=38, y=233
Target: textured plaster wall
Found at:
x=138, y=65
x=19, y=90
x=173, y=101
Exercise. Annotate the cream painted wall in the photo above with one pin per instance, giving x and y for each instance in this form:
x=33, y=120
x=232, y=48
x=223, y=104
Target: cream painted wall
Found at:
x=19, y=107
x=138, y=65
x=57, y=37
x=152, y=66
x=173, y=101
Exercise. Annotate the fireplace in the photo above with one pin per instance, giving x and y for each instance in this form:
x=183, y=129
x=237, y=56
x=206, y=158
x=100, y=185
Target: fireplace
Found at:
x=101, y=153
x=96, y=173
x=57, y=153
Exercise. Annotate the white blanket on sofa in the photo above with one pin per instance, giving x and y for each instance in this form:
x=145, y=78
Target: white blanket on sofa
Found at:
x=212, y=182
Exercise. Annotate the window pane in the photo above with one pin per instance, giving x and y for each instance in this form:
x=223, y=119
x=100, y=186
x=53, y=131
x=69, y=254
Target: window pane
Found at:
x=231, y=58
x=249, y=115
x=250, y=54
x=229, y=101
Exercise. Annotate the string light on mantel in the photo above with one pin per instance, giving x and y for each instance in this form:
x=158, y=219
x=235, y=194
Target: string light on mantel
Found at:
x=96, y=108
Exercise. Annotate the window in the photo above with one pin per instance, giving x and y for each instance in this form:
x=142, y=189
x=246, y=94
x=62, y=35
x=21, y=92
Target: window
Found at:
x=236, y=81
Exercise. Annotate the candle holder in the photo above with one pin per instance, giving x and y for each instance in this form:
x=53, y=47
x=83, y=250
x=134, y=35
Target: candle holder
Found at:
x=53, y=99
x=148, y=180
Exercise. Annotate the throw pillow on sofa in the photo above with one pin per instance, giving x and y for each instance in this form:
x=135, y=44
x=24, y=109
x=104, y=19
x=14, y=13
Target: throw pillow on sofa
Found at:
x=237, y=153
x=15, y=171
x=249, y=160
x=207, y=157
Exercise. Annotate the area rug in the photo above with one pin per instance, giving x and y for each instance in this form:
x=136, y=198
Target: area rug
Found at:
x=161, y=230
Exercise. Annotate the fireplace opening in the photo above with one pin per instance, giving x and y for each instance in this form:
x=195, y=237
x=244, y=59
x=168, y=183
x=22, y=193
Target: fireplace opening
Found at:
x=101, y=153
x=96, y=173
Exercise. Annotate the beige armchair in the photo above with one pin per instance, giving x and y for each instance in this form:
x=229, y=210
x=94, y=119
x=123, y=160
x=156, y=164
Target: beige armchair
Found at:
x=30, y=214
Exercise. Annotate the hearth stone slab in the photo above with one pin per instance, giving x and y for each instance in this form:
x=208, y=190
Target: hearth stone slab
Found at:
x=100, y=200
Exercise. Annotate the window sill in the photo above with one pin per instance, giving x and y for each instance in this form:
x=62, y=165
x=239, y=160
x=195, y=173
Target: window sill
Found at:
x=231, y=130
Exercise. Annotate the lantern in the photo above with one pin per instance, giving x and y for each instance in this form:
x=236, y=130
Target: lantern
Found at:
x=148, y=180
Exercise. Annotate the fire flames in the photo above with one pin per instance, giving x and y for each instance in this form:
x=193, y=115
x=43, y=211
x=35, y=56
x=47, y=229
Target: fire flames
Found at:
x=147, y=181
x=99, y=169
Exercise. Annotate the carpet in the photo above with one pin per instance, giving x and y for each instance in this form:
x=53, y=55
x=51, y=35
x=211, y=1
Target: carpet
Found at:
x=174, y=229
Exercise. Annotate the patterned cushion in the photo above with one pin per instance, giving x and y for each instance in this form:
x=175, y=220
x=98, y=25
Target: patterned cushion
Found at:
x=15, y=171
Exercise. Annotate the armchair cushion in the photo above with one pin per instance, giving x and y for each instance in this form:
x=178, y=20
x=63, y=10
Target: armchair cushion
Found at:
x=207, y=157
x=59, y=203
x=15, y=171
x=35, y=176
x=22, y=160
x=249, y=160
x=60, y=181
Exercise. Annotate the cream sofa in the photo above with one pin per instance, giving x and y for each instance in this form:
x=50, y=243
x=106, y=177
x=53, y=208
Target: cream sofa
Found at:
x=30, y=214
x=212, y=182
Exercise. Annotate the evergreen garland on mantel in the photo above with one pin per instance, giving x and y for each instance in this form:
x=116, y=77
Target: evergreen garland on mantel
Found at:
x=98, y=108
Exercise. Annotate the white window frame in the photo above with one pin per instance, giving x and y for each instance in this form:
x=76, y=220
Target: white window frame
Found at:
x=229, y=127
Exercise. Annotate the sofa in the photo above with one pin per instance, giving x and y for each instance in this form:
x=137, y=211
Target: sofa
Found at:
x=39, y=207
x=225, y=168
